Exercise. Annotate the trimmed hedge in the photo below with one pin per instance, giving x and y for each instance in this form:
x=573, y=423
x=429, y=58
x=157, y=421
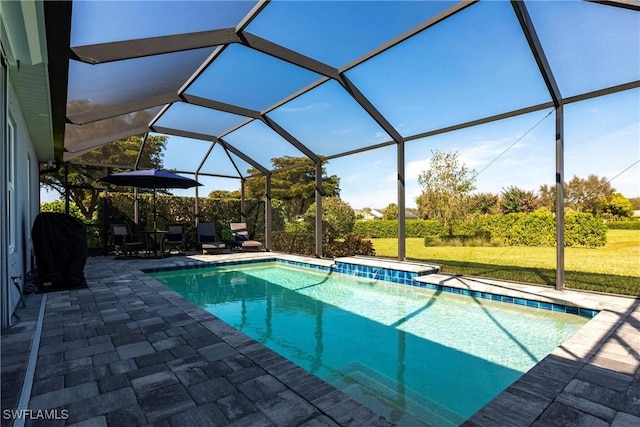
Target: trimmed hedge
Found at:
x=389, y=228
x=624, y=225
x=119, y=208
x=305, y=244
x=514, y=229
x=521, y=229
x=584, y=229
x=539, y=229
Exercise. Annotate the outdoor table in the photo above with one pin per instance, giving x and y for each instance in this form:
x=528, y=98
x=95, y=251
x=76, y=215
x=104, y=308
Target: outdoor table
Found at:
x=155, y=243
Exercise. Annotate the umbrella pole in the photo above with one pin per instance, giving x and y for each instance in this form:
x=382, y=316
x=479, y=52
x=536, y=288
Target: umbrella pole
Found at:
x=154, y=208
x=135, y=206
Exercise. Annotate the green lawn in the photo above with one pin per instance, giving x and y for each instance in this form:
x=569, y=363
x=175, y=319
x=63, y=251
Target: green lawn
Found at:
x=613, y=268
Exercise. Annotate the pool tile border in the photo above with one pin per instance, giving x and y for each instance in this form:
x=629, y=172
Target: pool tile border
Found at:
x=402, y=277
x=541, y=305
x=407, y=278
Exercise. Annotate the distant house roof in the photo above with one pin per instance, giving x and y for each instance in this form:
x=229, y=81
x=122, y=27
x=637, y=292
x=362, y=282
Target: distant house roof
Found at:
x=369, y=214
x=410, y=214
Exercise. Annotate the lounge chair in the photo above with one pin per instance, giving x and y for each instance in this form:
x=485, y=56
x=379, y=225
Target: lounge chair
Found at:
x=174, y=239
x=242, y=239
x=123, y=238
x=207, y=240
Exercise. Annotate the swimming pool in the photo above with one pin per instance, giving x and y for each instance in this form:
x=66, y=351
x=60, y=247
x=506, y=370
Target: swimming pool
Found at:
x=414, y=355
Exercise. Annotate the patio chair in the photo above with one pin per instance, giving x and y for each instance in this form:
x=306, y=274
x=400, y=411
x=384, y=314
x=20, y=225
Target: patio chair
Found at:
x=174, y=239
x=242, y=239
x=124, y=239
x=206, y=235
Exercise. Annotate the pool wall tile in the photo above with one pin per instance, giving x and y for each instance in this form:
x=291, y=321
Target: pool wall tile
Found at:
x=376, y=273
x=545, y=305
x=571, y=310
x=541, y=305
x=534, y=304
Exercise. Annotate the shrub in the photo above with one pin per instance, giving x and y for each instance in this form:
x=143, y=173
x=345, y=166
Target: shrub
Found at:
x=59, y=207
x=516, y=200
x=297, y=227
x=584, y=229
x=431, y=241
x=618, y=207
x=623, y=225
x=376, y=228
x=338, y=218
x=389, y=228
x=423, y=228
x=533, y=229
x=119, y=208
x=294, y=243
x=516, y=229
x=481, y=239
x=539, y=229
x=351, y=245
x=466, y=229
x=305, y=244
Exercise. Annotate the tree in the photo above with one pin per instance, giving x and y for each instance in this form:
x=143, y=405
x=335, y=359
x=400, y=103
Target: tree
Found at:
x=516, y=200
x=58, y=206
x=547, y=197
x=581, y=195
x=588, y=195
x=295, y=186
x=619, y=207
x=84, y=189
x=483, y=203
x=391, y=211
x=224, y=194
x=446, y=187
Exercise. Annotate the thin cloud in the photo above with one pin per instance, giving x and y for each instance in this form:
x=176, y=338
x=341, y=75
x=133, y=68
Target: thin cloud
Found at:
x=307, y=107
x=484, y=152
x=413, y=169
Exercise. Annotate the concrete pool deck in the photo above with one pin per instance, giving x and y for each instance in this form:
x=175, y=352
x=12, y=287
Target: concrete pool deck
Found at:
x=128, y=351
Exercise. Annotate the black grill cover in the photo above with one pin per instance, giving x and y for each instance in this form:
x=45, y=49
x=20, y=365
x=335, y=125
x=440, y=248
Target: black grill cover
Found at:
x=60, y=245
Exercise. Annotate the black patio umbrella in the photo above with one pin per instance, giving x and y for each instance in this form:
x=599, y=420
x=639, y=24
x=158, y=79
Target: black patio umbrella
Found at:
x=151, y=178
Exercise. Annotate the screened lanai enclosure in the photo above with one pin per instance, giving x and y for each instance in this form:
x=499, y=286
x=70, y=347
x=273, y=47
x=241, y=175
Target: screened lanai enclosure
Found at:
x=366, y=89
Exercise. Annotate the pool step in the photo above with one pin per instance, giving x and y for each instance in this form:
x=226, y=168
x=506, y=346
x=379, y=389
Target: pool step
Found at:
x=408, y=408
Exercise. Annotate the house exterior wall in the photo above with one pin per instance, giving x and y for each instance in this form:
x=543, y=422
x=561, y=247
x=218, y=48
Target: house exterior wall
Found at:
x=26, y=140
x=21, y=201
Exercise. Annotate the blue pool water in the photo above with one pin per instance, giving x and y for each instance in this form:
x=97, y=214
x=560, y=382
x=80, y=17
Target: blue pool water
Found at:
x=416, y=356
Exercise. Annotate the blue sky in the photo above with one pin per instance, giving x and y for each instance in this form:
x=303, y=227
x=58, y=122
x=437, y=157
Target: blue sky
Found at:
x=601, y=137
x=473, y=65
